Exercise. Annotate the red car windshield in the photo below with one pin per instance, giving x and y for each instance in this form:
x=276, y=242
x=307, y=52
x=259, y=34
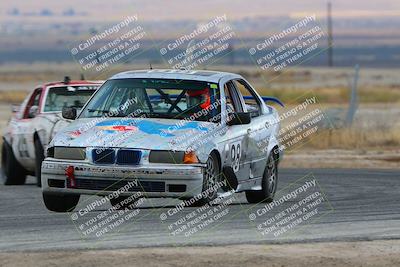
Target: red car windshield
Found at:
x=67, y=96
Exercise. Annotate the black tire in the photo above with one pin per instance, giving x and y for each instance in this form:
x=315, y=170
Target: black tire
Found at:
x=211, y=177
x=60, y=202
x=13, y=173
x=269, y=183
x=39, y=157
x=119, y=203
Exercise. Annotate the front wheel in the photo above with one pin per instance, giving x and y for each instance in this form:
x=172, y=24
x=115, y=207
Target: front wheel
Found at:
x=269, y=184
x=211, y=179
x=60, y=202
x=13, y=172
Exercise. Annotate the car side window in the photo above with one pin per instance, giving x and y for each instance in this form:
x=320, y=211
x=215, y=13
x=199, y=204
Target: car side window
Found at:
x=34, y=100
x=233, y=103
x=252, y=103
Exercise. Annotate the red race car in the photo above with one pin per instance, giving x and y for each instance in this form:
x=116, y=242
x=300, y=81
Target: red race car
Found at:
x=35, y=122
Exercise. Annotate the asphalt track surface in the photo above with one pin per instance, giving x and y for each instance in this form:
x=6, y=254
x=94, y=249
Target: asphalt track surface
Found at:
x=356, y=205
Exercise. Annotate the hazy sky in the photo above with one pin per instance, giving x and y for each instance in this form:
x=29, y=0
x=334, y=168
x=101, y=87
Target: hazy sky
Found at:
x=201, y=9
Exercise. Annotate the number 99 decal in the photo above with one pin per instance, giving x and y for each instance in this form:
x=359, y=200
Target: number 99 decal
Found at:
x=236, y=154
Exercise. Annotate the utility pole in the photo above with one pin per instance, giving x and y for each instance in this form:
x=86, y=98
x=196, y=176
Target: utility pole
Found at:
x=330, y=36
x=353, y=104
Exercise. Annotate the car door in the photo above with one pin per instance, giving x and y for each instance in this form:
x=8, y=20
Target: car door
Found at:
x=258, y=133
x=237, y=136
x=23, y=145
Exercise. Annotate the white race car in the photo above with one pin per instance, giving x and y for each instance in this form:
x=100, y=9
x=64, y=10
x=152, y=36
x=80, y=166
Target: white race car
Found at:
x=165, y=133
x=34, y=123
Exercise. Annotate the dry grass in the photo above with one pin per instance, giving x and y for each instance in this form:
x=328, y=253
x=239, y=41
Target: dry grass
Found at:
x=380, y=95
x=336, y=95
x=13, y=97
x=352, y=138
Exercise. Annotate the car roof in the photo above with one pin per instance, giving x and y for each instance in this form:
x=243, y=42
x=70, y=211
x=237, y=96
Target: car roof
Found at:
x=196, y=75
x=77, y=82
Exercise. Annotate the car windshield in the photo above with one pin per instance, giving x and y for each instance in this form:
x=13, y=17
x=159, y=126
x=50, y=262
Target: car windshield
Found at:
x=154, y=98
x=67, y=96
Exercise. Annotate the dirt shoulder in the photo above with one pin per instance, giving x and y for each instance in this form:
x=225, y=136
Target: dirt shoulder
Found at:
x=366, y=253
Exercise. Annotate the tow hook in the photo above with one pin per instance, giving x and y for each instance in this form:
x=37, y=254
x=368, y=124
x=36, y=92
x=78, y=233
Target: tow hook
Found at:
x=70, y=173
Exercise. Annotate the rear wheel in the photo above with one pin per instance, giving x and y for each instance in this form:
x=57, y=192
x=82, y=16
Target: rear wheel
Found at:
x=59, y=202
x=269, y=184
x=13, y=172
x=39, y=157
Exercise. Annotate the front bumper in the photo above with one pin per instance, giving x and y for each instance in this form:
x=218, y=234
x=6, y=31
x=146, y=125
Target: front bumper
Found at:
x=152, y=180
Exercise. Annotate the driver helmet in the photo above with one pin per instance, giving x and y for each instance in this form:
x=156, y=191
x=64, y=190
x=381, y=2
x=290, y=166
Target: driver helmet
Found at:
x=199, y=98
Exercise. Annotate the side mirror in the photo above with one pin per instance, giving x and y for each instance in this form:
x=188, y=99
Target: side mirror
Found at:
x=33, y=112
x=69, y=113
x=239, y=118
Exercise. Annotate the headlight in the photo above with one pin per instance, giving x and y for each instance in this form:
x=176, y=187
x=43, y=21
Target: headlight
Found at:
x=77, y=153
x=178, y=157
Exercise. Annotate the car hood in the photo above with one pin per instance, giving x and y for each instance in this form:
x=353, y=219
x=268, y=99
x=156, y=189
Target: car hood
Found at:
x=160, y=134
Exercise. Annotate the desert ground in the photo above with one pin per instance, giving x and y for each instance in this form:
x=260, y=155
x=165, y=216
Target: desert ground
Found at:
x=367, y=253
